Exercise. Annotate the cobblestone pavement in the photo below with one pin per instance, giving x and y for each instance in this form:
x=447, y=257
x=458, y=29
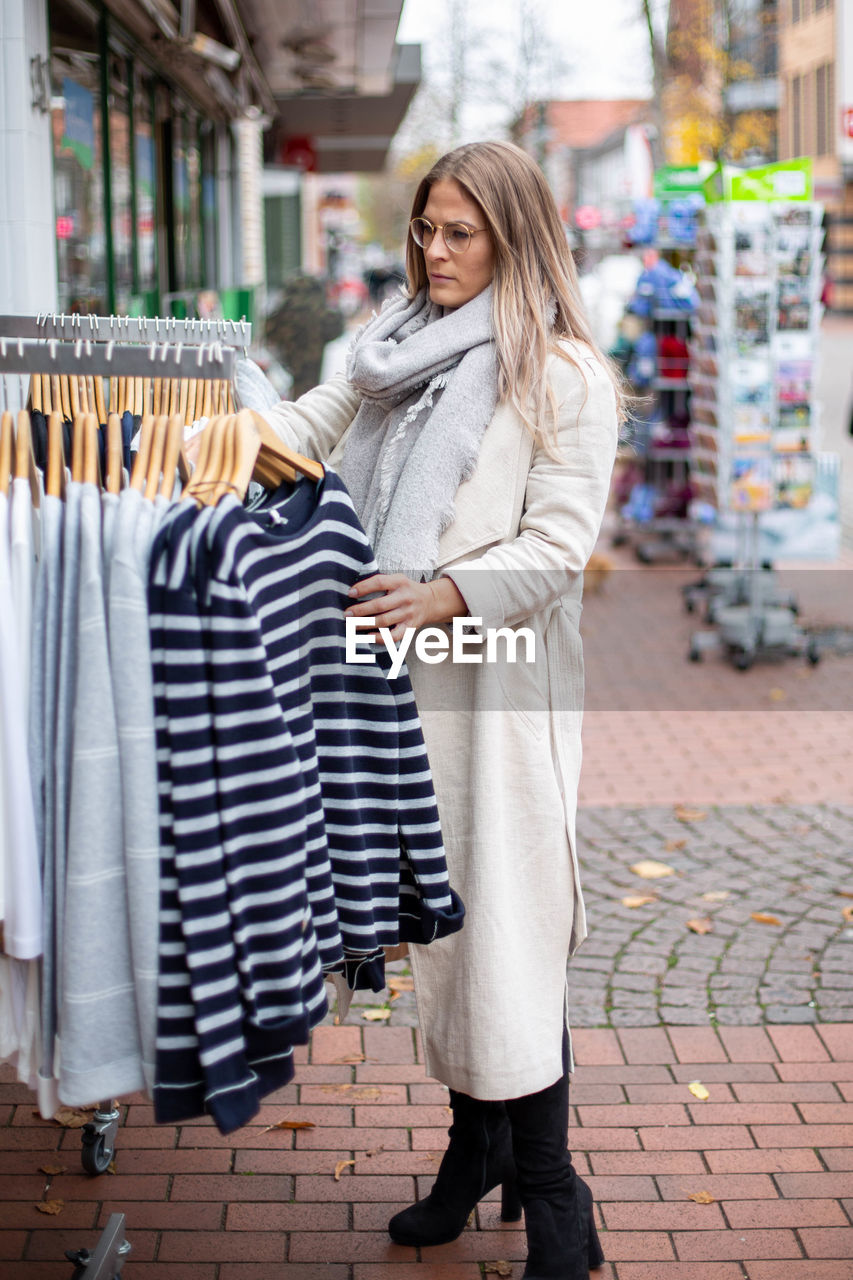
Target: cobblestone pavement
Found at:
x=642, y=965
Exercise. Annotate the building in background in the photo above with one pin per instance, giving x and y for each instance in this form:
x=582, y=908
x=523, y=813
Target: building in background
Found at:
x=596, y=155
x=132, y=142
x=816, y=69
x=719, y=81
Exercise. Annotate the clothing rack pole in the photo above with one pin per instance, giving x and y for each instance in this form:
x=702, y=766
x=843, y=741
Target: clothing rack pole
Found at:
x=164, y=360
x=145, y=329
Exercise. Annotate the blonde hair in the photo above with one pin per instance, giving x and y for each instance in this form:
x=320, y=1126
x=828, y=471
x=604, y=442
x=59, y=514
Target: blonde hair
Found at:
x=536, y=297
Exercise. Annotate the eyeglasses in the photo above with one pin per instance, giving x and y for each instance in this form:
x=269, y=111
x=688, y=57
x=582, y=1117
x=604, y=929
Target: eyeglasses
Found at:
x=457, y=236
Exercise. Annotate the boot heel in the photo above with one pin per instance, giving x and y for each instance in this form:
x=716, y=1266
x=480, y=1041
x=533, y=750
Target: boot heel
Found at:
x=510, y=1201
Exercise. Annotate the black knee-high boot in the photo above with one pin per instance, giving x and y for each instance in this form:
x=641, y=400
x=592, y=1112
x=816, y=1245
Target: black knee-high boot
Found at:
x=478, y=1158
x=562, y=1242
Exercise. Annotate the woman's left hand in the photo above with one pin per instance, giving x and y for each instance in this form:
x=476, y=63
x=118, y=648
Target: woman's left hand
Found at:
x=404, y=603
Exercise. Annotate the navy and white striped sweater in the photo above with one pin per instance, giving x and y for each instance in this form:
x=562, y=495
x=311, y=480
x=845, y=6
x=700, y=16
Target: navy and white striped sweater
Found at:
x=279, y=760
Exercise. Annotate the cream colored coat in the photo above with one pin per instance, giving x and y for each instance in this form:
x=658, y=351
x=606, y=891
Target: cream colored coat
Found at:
x=504, y=741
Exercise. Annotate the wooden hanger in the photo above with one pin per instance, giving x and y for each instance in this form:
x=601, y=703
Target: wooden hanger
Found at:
x=91, y=454
x=247, y=446
x=77, y=440
x=171, y=455
x=7, y=439
x=65, y=396
x=115, y=453
x=140, y=463
x=280, y=462
x=226, y=467
x=25, y=463
x=74, y=398
x=209, y=467
x=55, y=477
x=155, y=461
x=100, y=403
x=46, y=398
x=35, y=392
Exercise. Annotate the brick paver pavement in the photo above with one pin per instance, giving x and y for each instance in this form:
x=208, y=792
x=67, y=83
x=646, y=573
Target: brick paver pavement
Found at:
x=758, y=1176
x=738, y=782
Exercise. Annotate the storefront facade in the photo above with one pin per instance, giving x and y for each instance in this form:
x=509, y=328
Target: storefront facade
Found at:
x=131, y=156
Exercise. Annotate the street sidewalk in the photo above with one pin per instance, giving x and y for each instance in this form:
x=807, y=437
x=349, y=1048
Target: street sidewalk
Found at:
x=740, y=783
x=756, y=1181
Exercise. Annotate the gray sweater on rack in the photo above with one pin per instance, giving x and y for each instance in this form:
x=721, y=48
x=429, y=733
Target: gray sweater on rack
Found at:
x=100, y=1054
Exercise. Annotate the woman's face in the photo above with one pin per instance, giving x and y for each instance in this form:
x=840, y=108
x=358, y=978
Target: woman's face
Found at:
x=456, y=278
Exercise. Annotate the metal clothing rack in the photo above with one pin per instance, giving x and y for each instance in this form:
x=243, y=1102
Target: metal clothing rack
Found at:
x=115, y=346
x=109, y=1256
x=102, y=359
x=144, y=329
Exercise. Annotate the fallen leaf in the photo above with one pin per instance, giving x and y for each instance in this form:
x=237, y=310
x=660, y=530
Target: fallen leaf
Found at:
x=702, y=1197
x=401, y=982
x=847, y=912
x=340, y=1166
x=71, y=1117
x=778, y=695
x=704, y=924
x=639, y=899
x=50, y=1206
x=111, y=1167
x=374, y=1152
x=671, y=845
x=376, y=1015
x=53, y=1169
x=290, y=1124
x=395, y=995
x=716, y=895
x=355, y=1092
x=843, y=893
x=350, y=1057
x=497, y=1269
x=698, y=1090
x=648, y=869
x=684, y=813
x=760, y=917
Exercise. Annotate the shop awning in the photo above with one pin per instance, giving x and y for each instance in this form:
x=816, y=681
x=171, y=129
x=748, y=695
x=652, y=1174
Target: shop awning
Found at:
x=326, y=71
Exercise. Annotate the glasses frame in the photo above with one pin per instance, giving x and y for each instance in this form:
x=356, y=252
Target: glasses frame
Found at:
x=440, y=226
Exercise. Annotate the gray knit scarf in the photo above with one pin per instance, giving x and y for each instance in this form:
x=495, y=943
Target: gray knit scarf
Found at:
x=429, y=387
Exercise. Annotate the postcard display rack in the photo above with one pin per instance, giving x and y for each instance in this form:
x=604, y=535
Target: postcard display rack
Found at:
x=754, y=415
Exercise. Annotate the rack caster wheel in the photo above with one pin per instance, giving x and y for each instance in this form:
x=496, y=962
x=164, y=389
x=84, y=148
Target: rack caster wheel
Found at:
x=695, y=655
x=689, y=604
x=743, y=661
x=95, y=1156
x=813, y=655
x=98, y=1138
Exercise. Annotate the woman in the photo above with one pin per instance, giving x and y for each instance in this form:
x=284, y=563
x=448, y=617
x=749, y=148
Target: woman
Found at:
x=476, y=431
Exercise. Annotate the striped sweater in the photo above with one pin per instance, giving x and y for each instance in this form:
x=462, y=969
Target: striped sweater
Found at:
x=299, y=830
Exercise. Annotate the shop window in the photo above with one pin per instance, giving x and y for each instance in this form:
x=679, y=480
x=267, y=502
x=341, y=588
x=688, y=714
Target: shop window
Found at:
x=210, y=246
x=825, y=108
x=120, y=181
x=797, y=115
x=145, y=159
x=78, y=162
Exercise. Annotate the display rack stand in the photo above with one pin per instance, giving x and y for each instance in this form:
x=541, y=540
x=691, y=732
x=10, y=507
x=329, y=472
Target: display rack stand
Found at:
x=109, y=1256
x=753, y=358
